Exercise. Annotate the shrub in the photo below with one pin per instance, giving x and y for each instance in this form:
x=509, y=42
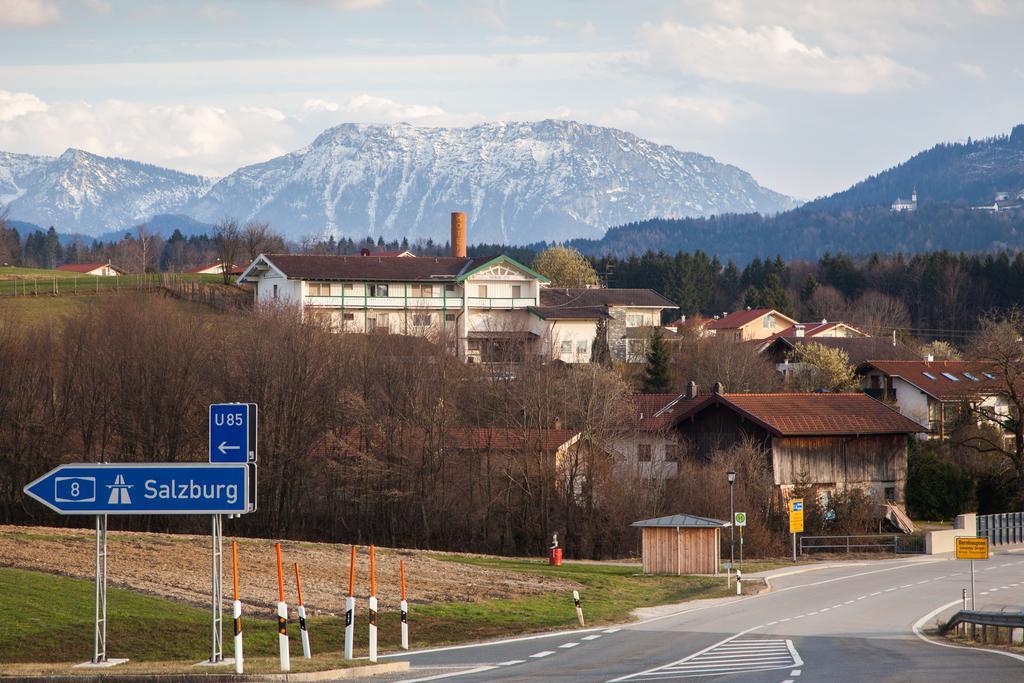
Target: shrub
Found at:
x=936, y=488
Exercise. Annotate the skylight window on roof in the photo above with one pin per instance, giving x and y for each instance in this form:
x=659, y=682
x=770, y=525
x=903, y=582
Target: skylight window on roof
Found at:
x=930, y=376
x=951, y=377
x=971, y=377
x=989, y=375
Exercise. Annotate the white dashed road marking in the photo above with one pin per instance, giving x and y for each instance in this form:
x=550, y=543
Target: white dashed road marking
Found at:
x=593, y=637
x=545, y=653
x=566, y=646
x=726, y=658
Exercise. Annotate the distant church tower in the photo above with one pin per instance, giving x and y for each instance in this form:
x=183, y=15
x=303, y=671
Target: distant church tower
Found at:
x=903, y=205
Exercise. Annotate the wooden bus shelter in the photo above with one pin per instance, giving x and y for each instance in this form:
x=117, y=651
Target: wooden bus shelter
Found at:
x=681, y=544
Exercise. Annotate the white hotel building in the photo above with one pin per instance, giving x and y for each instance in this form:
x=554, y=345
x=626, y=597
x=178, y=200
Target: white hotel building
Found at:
x=485, y=309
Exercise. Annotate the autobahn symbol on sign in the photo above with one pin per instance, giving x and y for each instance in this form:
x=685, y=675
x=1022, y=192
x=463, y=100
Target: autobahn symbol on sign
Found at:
x=144, y=489
x=233, y=432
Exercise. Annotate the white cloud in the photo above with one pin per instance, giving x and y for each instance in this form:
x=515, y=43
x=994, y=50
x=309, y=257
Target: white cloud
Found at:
x=28, y=13
x=202, y=139
x=768, y=55
x=99, y=6
x=975, y=71
x=196, y=138
x=15, y=104
x=217, y=14
x=346, y=4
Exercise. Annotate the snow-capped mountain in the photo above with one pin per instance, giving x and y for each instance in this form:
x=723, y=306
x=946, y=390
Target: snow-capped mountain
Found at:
x=91, y=194
x=518, y=182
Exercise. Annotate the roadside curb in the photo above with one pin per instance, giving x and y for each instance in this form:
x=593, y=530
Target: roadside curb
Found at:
x=327, y=675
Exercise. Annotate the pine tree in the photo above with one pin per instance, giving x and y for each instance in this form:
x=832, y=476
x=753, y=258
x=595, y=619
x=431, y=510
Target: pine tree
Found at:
x=657, y=377
x=600, y=354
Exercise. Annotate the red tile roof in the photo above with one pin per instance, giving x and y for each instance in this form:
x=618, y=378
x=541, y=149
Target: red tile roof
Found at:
x=942, y=387
x=215, y=264
x=811, y=414
x=656, y=412
x=393, y=268
x=738, y=319
x=83, y=267
x=600, y=297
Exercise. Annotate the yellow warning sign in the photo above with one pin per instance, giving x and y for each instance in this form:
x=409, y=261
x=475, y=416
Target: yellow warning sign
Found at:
x=971, y=548
x=796, y=516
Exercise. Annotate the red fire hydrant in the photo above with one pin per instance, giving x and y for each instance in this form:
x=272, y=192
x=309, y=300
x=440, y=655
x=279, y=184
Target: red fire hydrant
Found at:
x=555, y=553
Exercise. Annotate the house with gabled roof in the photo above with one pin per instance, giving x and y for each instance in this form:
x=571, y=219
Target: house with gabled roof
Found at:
x=630, y=315
x=938, y=395
x=748, y=325
x=97, y=269
x=831, y=441
x=486, y=309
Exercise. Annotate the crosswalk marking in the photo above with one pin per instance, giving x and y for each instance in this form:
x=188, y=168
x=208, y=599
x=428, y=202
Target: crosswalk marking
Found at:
x=730, y=657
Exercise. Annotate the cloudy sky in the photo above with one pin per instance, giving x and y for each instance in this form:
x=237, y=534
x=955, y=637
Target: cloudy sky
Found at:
x=808, y=96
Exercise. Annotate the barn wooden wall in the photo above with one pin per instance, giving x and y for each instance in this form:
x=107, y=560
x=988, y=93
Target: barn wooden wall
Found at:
x=698, y=549
x=840, y=459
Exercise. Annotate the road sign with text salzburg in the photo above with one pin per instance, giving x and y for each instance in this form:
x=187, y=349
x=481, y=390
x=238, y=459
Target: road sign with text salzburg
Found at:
x=233, y=432
x=144, y=489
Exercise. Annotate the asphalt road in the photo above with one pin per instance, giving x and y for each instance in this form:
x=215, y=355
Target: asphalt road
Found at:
x=847, y=623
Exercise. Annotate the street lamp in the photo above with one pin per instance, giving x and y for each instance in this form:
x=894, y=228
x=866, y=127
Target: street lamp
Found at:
x=731, y=476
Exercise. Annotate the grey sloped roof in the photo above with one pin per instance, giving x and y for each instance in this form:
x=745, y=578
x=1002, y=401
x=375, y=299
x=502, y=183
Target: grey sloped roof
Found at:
x=682, y=521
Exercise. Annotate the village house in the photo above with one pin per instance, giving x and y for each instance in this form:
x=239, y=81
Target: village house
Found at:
x=781, y=350
x=484, y=309
x=97, y=269
x=215, y=268
x=649, y=447
x=831, y=441
x=938, y=395
x=748, y=325
x=631, y=316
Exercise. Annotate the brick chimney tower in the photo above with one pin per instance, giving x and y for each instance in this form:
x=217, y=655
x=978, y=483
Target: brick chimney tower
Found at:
x=459, y=234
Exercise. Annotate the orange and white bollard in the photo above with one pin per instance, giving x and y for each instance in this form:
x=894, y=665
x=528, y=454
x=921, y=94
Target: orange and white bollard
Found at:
x=236, y=610
x=282, y=617
x=373, y=609
x=303, y=631
x=404, y=608
x=350, y=606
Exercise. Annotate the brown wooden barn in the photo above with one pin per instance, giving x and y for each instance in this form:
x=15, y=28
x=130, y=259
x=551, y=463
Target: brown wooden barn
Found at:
x=833, y=440
x=681, y=544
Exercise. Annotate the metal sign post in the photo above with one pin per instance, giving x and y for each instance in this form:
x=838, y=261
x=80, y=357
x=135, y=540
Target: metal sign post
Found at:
x=740, y=520
x=99, y=647
x=216, y=592
x=796, y=520
x=971, y=548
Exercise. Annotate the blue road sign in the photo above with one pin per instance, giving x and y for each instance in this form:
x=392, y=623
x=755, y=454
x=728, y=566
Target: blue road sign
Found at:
x=233, y=432
x=144, y=489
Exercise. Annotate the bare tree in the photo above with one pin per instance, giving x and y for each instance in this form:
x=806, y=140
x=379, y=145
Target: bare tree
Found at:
x=260, y=239
x=229, y=240
x=737, y=365
x=144, y=244
x=1000, y=345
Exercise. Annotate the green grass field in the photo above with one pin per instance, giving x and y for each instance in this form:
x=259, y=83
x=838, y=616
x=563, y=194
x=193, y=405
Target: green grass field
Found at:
x=30, y=282
x=52, y=615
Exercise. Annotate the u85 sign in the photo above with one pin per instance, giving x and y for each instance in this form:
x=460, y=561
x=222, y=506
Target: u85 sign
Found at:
x=233, y=432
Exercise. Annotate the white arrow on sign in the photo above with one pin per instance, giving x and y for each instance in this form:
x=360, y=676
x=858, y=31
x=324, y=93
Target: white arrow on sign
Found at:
x=224, y=447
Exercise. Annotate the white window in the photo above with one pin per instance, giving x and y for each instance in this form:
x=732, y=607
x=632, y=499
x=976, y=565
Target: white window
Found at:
x=634, y=320
x=347, y=287
x=378, y=290
x=275, y=291
x=768, y=321
x=481, y=291
x=421, y=319
x=449, y=288
x=581, y=347
x=930, y=376
x=951, y=377
x=517, y=291
x=319, y=288
x=565, y=347
x=422, y=290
